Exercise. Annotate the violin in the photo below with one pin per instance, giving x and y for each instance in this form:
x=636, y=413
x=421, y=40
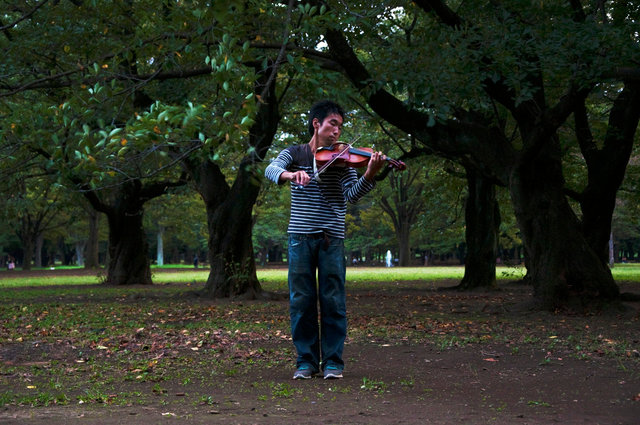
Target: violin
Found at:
x=342, y=154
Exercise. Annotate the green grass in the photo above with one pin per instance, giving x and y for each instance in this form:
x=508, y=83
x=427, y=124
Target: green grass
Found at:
x=626, y=272
x=9, y=281
x=275, y=276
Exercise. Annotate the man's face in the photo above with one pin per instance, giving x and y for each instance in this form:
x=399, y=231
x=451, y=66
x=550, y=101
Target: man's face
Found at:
x=328, y=131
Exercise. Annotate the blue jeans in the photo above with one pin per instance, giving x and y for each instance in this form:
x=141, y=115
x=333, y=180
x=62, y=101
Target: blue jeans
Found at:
x=325, y=342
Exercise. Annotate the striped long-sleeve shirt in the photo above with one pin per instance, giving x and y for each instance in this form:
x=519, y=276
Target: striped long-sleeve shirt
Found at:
x=320, y=206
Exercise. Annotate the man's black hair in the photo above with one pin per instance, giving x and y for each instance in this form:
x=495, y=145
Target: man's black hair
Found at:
x=321, y=110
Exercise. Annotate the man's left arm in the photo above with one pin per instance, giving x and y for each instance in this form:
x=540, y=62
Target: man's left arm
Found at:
x=356, y=187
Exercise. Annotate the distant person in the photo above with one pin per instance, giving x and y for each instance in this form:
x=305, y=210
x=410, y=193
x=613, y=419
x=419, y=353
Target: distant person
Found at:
x=389, y=258
x=195, y=261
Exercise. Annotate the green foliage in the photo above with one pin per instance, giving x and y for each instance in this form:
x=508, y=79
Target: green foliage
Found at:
x=440, y=228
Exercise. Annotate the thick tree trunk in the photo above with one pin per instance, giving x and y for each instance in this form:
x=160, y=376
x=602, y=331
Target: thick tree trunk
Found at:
x=229, y=209
x=128, y=254
x=482, y=216
x=404, y=251
x=606, y=165
x=38, y=251
x=561, y=265
x=27, y=248
x=91, y=259
x=233, y=269
x=611, y=252
x=128, y=248
x=597, y=207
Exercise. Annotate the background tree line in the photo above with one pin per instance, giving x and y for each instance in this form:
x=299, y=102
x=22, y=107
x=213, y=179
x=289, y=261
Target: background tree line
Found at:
x=114, y=105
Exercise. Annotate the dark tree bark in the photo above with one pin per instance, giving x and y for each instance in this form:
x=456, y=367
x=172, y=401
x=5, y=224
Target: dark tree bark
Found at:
x=233, y=270
x=128, y=247
x=229, y=208
x=37, y=260
x=561, y=265
x=129, y=262
x=482, y=218
x=91, y=257
x=27, y=248
x=606, y=166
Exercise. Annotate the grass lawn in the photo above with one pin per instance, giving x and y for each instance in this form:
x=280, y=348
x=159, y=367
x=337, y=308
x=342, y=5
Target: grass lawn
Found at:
x=186, y=274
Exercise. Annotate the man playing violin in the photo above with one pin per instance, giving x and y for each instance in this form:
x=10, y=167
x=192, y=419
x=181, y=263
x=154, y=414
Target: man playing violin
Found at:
x=316, y=241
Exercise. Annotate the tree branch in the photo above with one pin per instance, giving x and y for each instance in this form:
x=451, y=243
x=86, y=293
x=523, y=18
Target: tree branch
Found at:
x=24, y=17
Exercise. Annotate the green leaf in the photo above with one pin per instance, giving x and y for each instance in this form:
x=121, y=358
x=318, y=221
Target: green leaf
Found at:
x=115, y=131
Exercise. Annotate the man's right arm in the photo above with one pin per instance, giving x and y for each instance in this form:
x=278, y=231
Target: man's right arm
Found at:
x=278, y=167
x=278, y=170
x=299, y=177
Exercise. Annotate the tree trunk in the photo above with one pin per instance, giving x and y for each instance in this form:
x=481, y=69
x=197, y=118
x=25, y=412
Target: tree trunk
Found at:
x=606, y=165
x=92, y=260
x=38, y=251
x=233, y=270
x=482, y=216
x=27, y=247
x=404, y=245
x=611, y=252
x=561, y=265
x=229, y=209
x=128, y=248
x=128, y=254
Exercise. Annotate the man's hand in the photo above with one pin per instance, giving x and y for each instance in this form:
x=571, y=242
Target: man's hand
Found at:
x=299, y=177
x=376, y=163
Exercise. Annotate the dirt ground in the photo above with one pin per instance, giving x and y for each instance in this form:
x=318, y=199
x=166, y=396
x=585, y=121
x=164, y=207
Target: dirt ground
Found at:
x=523, y=376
